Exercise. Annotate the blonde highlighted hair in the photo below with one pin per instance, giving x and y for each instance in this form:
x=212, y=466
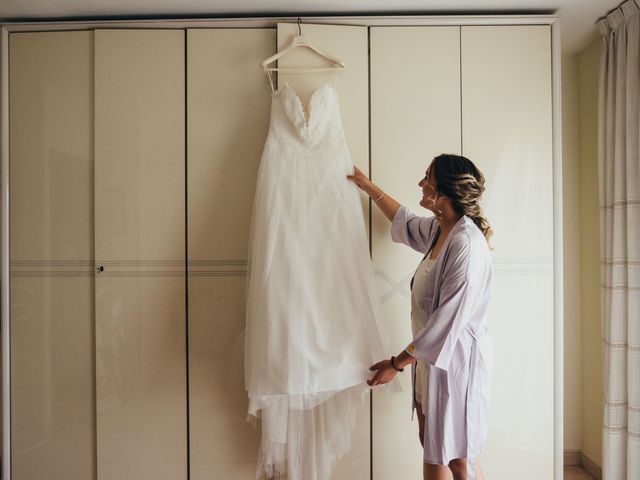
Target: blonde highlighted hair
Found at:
x=458, y=179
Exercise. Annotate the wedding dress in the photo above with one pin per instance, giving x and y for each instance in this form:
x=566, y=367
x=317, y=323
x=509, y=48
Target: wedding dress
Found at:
x=312, y=322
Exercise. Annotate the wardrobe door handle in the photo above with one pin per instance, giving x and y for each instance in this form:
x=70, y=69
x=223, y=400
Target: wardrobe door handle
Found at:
x=99, y=269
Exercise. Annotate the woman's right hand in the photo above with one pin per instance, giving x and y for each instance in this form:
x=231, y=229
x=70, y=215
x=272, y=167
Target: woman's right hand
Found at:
x=361, y=180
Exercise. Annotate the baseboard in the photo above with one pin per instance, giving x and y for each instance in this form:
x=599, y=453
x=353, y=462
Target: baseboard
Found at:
x=575, y=458
x=572, y=458
x=592, y=469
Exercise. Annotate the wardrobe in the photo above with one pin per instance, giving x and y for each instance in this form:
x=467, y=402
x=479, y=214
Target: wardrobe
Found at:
x=131, y=154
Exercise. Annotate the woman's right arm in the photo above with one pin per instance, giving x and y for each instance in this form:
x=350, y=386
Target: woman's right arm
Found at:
x=415, y=232
x=387, y=204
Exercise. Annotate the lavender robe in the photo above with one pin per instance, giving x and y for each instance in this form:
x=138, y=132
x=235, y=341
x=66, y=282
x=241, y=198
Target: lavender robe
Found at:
x=454, y=343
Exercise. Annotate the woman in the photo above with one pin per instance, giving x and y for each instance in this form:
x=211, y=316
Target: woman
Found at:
x=451, y=351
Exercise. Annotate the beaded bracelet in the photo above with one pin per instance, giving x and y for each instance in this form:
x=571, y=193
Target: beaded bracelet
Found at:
x=395, y=367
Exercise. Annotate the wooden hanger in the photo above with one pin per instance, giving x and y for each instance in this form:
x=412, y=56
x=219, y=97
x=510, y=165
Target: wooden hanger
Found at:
x=301, y=41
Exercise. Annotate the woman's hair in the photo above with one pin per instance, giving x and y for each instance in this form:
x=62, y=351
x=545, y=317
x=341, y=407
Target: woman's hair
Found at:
x=458, y=179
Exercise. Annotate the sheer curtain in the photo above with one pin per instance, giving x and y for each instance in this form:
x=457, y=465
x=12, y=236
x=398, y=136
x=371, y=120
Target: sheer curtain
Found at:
x=619, y=167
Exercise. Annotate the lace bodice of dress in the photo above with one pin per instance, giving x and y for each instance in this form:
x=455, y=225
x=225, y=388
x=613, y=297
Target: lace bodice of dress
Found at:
x=320, y=129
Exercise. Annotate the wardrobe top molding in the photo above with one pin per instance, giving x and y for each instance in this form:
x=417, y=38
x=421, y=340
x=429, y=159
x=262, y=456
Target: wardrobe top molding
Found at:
x=271, y=22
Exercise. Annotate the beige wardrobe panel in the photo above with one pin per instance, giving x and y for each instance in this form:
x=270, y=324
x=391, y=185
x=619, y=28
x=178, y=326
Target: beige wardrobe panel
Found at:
x=228, y=116
x=507, y=132
x=415, y=115
x=140, y=231
x=51, y=251
x=349, y=43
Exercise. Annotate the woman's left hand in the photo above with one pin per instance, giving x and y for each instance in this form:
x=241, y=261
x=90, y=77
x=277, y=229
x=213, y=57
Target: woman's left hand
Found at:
x=384, y=373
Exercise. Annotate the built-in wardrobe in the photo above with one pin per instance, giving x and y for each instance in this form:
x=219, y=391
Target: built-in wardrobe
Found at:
x=130, y=159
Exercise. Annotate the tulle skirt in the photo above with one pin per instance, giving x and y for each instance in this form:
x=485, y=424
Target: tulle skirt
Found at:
x=313, y=326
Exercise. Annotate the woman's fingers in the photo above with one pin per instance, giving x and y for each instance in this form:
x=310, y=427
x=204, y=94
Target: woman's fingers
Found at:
x=379, y=378
x=358, y=177
x=375, y=380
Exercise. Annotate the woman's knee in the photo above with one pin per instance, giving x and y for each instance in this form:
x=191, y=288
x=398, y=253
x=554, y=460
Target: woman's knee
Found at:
x=436, y=472
x=458, y=467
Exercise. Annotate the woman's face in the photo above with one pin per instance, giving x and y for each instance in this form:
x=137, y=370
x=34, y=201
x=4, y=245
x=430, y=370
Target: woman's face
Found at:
x=429, y=193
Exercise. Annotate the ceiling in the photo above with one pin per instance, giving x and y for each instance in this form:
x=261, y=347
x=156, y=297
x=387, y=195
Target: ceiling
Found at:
x=578, y=17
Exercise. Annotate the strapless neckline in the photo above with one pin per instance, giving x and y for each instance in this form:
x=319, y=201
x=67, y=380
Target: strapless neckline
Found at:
x=302, y=121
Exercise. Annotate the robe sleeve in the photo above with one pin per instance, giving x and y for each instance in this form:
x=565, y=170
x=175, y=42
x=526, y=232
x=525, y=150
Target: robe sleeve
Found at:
x=416, y=232
x=435, y=343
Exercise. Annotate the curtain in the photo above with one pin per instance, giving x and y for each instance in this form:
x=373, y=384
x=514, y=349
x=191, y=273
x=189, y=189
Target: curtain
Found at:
x=619, y=181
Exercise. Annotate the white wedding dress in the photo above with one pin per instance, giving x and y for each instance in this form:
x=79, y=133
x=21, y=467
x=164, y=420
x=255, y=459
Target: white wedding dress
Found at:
x=312, y=321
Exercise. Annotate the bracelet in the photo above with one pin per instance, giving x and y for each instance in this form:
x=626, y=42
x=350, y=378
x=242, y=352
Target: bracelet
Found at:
x=379, y=198
x=395, y=367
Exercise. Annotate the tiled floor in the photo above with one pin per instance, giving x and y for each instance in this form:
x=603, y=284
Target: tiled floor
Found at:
x=576, y=473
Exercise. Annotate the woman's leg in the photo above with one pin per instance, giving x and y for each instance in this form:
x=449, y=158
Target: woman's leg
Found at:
x=436, y=472
x=458, y=467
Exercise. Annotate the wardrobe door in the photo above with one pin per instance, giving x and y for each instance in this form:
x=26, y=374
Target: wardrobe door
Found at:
x=140, y=254
x=349, y=43
x=228, y=105
x=51, y=255
x=507, y=131
x=415, y=115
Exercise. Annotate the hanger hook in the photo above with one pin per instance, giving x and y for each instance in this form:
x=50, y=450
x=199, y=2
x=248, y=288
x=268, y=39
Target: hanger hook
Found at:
x=299, y=26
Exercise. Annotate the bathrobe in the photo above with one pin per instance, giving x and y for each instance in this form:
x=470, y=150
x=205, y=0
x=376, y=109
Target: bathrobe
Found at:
x=455, y=343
